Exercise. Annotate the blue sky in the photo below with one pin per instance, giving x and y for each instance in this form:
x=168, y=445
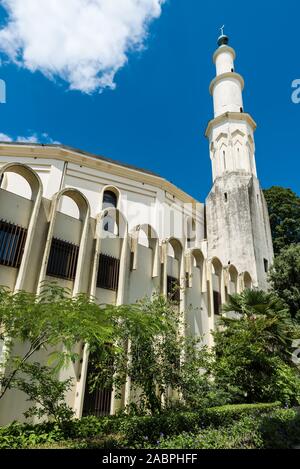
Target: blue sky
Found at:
x=157, y=115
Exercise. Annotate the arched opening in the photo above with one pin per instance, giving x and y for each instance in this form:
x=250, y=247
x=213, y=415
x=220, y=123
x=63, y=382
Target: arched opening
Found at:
x=217, y=270
x=144, y=242
x=110, y=200
x=247, y=281
x=69, y=207
x=16, y=184
x=64, y=253
x=173, y=269
x=108, y=250
x=232, y=280
x=195, y=319
x=196, y=269
x=20, y=197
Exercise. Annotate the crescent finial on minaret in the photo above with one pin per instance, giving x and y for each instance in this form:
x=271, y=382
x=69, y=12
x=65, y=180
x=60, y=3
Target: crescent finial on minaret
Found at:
x=223, y=40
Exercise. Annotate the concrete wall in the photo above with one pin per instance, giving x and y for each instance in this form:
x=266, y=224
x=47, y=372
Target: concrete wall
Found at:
x=140, y=203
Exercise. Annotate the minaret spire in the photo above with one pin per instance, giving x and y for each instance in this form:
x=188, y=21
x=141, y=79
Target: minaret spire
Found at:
x=231, y=131
x=227, y=87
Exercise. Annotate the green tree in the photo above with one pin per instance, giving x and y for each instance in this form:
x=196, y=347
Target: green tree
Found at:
x=53, y=320
x=253, y=350
x=45, y=391
x=163, y=363
x=284, y=277
x=284, y=211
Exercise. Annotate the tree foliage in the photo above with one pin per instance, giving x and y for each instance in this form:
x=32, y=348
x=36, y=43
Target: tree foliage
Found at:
x=285, y=278
x=52, y=322
x=161, y=362
x=284, y=211
x=45, y=391
x=253, y=350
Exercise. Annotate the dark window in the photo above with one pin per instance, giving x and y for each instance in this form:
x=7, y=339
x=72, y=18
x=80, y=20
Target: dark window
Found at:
x=63, y=259
x=173, y=289
x=108, y=272
x=241, y=109
x=266, y=265
x=217, y=303
x=97, y=400
x=12, y=242
x=226, y=197
x=110, y=200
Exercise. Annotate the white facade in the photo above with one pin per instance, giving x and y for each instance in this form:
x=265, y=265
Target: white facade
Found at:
x=156, y=232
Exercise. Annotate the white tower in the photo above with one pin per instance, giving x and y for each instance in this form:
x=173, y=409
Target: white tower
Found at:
x=238, y=228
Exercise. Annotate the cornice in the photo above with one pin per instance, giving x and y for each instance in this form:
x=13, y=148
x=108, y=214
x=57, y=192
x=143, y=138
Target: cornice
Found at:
x=93, y=162
x=225, y=76
x=234, y=116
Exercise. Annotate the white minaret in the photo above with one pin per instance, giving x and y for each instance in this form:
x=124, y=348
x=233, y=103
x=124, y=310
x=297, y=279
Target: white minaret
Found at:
x=231, y=133
x=238, y=228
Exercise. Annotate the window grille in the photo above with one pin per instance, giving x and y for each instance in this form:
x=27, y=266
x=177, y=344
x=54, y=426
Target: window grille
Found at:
x=108, y=272
x=12, y=243
x=63, y=259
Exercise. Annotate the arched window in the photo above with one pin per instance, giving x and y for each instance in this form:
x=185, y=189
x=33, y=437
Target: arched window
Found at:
x=110, y=200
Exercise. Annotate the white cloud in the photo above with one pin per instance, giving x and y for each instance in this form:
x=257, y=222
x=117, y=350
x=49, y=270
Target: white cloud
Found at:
x=34, y=138
x=84, y=42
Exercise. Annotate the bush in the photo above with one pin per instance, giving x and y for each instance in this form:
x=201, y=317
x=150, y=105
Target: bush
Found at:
x=225, y=415
x=133, y=431
x=24, y=436
x=279, y=430
x=241, y=434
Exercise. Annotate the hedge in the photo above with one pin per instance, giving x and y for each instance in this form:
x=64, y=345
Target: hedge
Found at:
x=225, y=415
x=126, y=431
x=278, y=430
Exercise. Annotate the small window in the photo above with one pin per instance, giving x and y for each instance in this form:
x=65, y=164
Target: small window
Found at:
x=108, y=273
x=226, y=197
x=12, y=243
x=110, y=200
x=242, y=110
x=63, y=259
x=266, y=265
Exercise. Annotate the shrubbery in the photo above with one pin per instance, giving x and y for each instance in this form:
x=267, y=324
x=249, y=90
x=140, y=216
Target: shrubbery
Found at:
x=279, y=430
x=129, y=431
